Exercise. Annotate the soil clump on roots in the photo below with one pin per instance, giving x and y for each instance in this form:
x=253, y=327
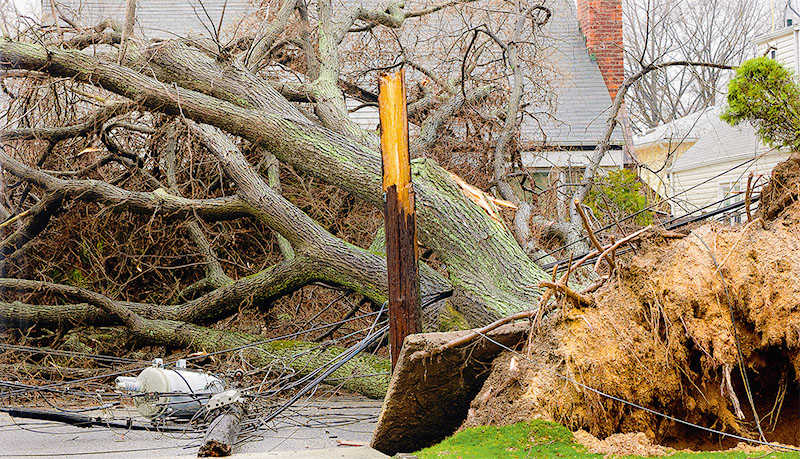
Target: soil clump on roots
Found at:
x=661, y=335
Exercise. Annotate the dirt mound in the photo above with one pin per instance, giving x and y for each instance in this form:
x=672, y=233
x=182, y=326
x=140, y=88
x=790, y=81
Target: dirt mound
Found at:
x=628, y=444
x=660, y=335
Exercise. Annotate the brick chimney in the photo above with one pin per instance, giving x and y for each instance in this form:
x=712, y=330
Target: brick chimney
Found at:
x=601, y=24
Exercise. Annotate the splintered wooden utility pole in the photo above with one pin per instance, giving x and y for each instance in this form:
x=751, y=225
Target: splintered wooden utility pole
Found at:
x=401, y=225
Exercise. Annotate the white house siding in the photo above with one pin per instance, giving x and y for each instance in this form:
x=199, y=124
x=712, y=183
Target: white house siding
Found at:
x=160, y=18
x=701, y=194
x=544, y=160
x=786, y=52
x=783, y=45
x=366, y=117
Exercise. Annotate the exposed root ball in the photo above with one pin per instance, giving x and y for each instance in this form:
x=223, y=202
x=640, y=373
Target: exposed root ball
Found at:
x=661, y=336
x=783, y=188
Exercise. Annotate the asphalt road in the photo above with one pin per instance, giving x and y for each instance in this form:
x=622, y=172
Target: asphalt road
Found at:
x=310, y=426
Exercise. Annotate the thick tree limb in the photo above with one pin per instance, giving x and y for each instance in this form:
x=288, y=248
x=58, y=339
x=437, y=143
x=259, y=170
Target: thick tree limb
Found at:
x=259, y=288
x=127, y=27
x=330, y=105
x=296, y=355
x=337, y=160
x=333, y=259
x=361, y=168
x=106, y=32
x=433, y=122
x=414, y=14
x=115, y=309
x=86, y=39
x=262, y=44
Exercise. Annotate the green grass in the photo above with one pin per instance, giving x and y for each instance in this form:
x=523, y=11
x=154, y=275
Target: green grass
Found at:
x=540, y=439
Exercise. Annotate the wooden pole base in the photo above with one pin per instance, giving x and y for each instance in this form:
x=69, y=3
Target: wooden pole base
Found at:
x=401, y=226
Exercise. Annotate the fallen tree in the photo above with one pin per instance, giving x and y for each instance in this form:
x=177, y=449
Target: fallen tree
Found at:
x=450, y=224
x=186, y=134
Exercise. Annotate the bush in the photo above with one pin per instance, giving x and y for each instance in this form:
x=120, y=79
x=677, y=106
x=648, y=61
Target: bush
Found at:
x=619, y=195
x=765, y=93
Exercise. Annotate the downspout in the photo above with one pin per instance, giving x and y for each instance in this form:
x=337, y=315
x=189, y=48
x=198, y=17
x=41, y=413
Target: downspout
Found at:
x=671, y=187
x=796, y=51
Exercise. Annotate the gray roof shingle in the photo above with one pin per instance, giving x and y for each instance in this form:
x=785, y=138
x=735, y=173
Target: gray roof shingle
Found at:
x=721, y=143
x=582, y=103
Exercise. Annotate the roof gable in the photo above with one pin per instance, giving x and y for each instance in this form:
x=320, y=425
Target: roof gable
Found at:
x=686, y=129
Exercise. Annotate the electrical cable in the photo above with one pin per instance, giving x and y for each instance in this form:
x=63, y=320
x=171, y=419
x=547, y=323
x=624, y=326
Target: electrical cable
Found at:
x=672, y=224
x=79, y=420
x=337, y=362
x=52, y=387
x=349, y=354
x=51, y=351
x=652, y=206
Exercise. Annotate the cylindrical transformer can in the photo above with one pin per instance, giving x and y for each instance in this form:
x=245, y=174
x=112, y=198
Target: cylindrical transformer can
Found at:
x=161, y=392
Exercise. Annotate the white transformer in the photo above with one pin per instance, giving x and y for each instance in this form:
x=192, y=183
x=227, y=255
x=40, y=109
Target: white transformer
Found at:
x=176, y=393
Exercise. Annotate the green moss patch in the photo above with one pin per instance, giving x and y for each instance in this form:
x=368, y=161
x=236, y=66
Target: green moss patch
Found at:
x=542, y=439
x=522, y=440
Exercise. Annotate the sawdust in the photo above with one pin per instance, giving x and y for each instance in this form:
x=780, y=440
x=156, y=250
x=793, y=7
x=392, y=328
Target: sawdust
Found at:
x=660, y=335
x=629, y=444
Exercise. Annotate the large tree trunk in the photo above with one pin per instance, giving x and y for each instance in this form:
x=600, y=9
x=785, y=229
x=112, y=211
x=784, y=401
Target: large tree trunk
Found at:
x=491, y=274
x=365, y=374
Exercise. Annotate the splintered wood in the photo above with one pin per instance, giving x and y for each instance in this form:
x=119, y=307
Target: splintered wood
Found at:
x=401, y=226
x=485, y=201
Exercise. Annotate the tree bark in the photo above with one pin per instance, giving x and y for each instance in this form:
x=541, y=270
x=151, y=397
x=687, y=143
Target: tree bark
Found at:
x=365, y=374
x=491, y=271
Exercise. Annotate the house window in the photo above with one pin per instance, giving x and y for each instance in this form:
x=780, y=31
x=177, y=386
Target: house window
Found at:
x=731, y=193
x=772, y=54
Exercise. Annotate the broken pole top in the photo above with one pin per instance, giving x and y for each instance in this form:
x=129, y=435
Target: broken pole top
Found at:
x=400, y=220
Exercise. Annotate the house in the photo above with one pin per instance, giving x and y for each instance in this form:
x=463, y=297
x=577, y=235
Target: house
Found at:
x=713, y=172
x=782, y=44
x=587, y=53
x=700, y=163
x=659, y=147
